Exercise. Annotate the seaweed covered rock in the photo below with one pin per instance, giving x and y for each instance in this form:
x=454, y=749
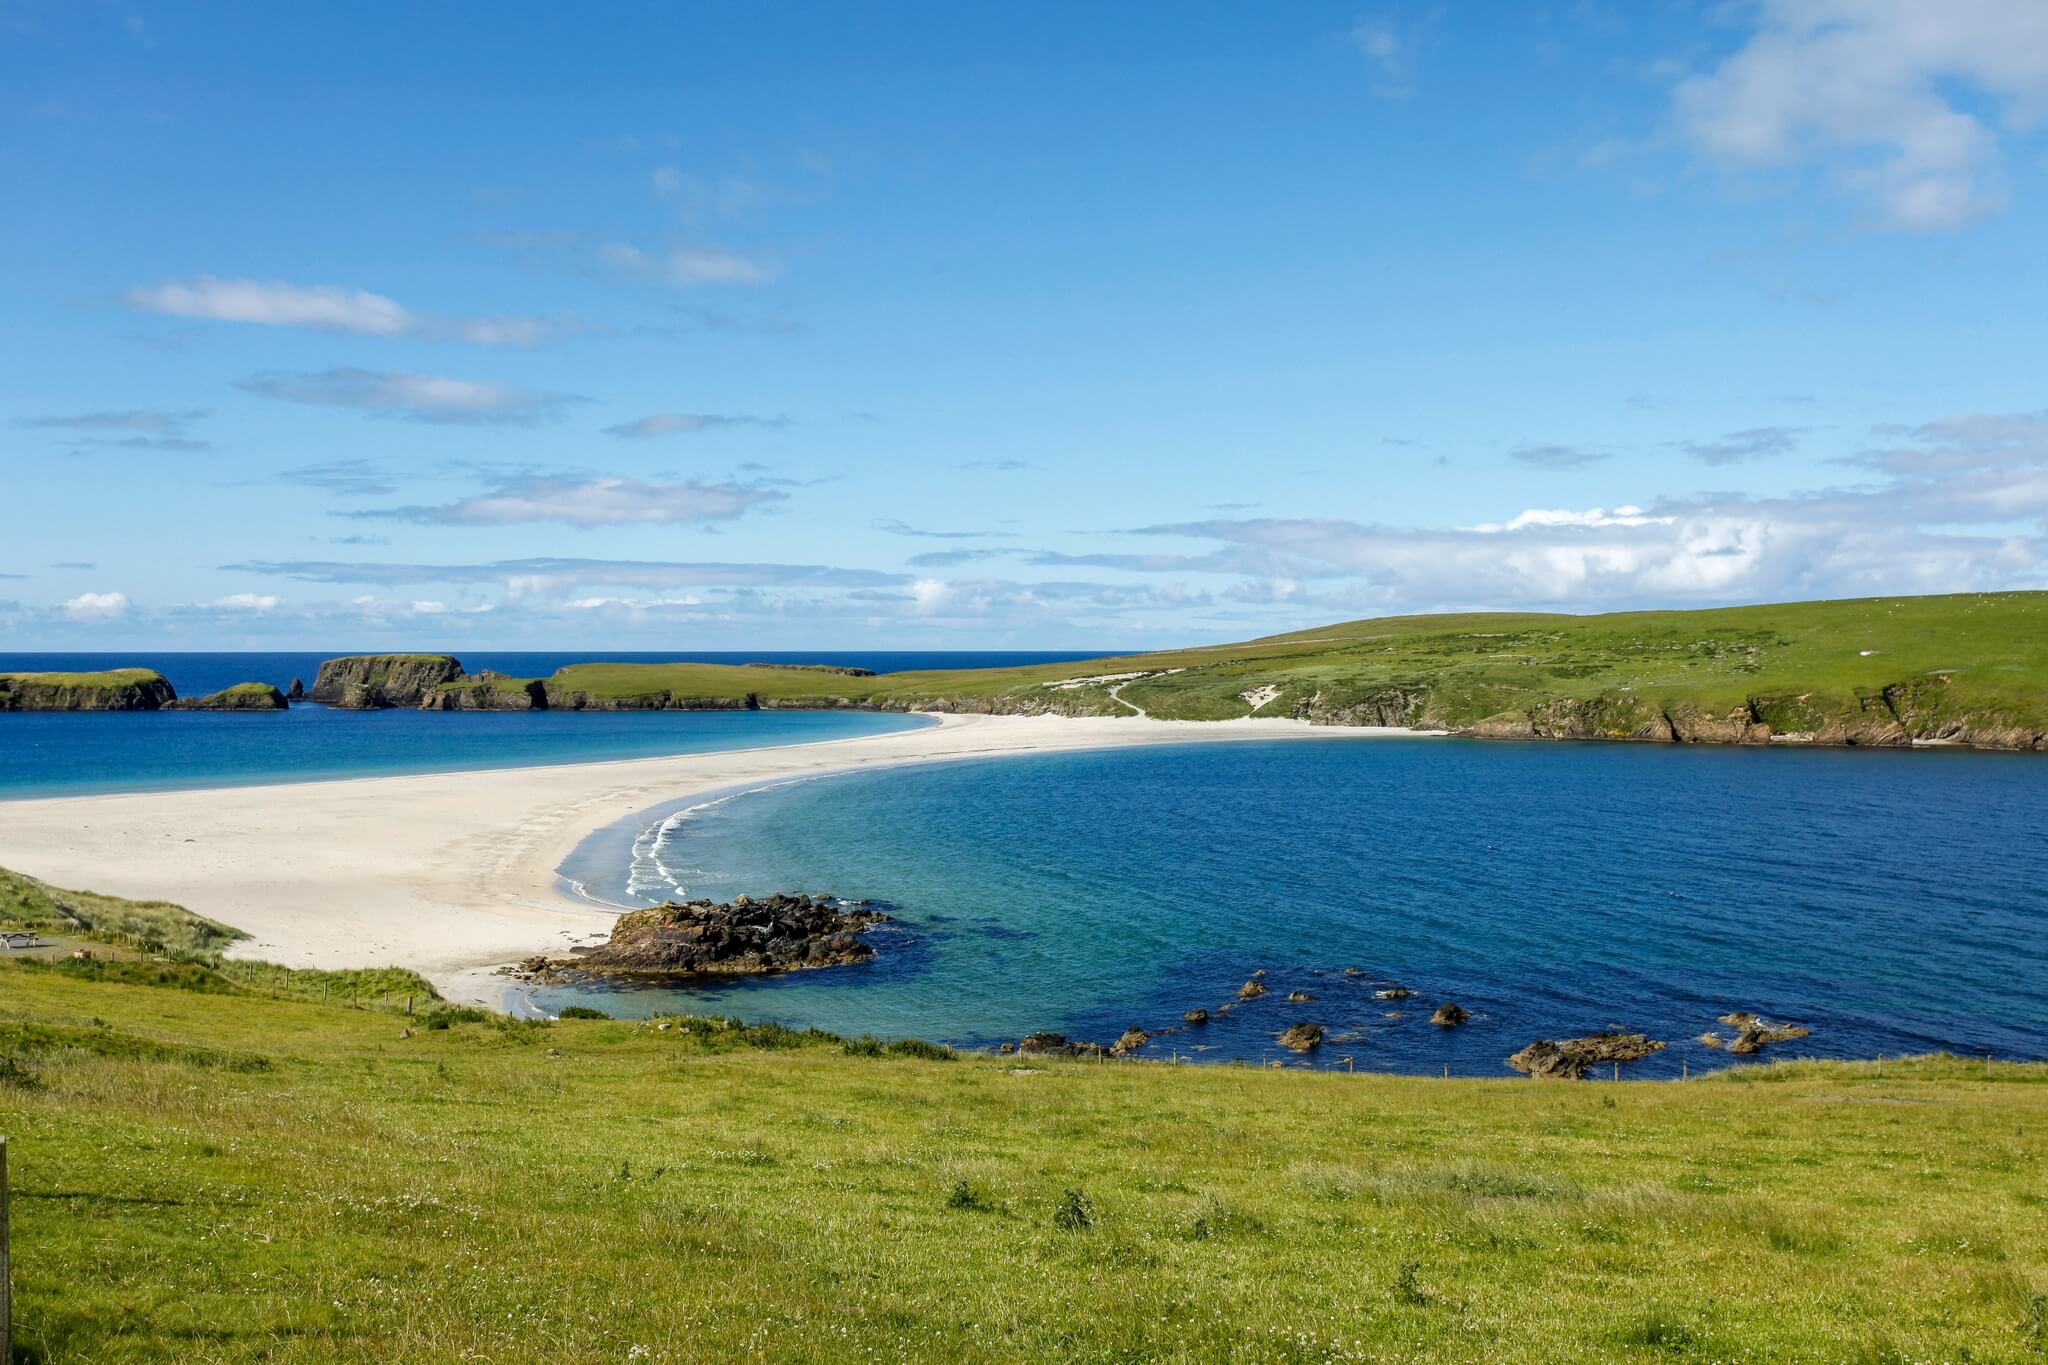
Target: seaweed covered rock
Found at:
x=1303, y=1037
x=1574, y=1057
x=1752, y=1034
x=1449, y=1015
x=1194, y=1017
x=1251, y=990
x=776, y=934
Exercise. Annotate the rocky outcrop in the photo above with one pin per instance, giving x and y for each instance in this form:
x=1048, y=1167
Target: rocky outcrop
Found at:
x=1057, y=1045
x=121, y=689
x=240, y=697
x=372, y=681
x=1449, y=1015
x=1398, y=707
x=776, y=934
x=487, y=691
x=1195, y=1017
x=1251, y=990
x=1574, y=1057
x=1130, y=1041
x=1752, y=1034
x=296, y=692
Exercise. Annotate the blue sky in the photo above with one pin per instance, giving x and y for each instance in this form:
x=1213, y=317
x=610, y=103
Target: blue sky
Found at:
x=730, y=326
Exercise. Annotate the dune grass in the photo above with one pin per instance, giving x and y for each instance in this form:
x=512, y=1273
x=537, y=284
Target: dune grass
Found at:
x=203, y=1177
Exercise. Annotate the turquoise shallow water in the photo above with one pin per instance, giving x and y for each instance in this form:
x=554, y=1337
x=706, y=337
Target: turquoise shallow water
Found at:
x=1893, y=901
x=73, y=753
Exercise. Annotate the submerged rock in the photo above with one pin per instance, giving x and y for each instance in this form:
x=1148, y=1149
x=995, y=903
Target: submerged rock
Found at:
x=1574, y=1057
x=1449, y=1015
x=1302, y=1037
x=776, y=934
x=1393, y=993
x=1299, y=997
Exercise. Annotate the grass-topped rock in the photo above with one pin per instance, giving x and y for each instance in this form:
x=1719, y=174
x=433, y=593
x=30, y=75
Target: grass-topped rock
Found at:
x=370, y=681
x=117, y=689
x=249, y=696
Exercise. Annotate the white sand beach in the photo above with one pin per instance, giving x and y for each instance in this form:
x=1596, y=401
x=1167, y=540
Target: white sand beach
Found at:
x=450, y=873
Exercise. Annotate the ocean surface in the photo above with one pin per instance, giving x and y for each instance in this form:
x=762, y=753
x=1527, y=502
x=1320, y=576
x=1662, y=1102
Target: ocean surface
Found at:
x=1894, y=902
x=61, y=754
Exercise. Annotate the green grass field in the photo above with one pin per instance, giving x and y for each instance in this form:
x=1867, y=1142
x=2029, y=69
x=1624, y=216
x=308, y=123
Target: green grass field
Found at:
x=1974, y=666
x=209, y=1177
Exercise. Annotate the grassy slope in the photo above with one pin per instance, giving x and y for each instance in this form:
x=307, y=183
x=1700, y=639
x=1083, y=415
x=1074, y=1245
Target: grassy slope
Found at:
x=234, y=1179
x=1994, y=647
x=110, y=679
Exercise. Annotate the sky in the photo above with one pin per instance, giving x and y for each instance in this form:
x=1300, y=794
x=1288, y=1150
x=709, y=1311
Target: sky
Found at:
x=1058, y=326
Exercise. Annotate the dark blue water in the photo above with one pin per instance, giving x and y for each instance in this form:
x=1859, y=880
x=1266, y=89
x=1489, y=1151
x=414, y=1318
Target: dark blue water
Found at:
x=196, y=674
x=1895, y=902
x=69, y=753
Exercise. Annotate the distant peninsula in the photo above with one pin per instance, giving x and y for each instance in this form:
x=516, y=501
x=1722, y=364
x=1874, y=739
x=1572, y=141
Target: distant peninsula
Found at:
x=1966, y=669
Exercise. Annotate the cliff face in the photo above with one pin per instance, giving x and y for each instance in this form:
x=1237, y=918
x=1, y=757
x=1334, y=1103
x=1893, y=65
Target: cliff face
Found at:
x=370, y=681
x=487, y=692
x=127, y=689
x=240, y=697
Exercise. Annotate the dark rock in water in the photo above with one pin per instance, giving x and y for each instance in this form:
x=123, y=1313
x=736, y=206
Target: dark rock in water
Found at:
x=1057, y=1045
x=1299, y=997
x=1753, y=1034
x=777, y=934
x=1711, y=1039
x=1250, y=989
x=1574, y=1057
x=1449, y=1015
x=363, y=682
x=1302, y=1037
x=1393, y=993
x=1195, y=1017
x=296, y=692
x=1132, y=1039
x=1354, y=971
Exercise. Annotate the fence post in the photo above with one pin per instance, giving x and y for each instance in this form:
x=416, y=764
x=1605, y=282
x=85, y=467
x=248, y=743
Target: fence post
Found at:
x=408, y=1004
x=6, y=1267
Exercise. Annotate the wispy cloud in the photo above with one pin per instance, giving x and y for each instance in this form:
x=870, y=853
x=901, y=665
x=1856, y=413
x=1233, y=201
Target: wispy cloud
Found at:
x=1756, y=443
x=593, y=502
x=686, y=265
x=1389, y=50
x=330, y=308
x=687, y=424
x=1005, y=466
x=559, y=574
x=412, y=397
x=148, y=421
x=1557, y=456
x=355, y=478
x=903, y=528
x=1885, y=95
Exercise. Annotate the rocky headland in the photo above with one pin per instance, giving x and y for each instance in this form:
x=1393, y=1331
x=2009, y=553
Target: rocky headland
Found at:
x=121, y=689
x=368, y=682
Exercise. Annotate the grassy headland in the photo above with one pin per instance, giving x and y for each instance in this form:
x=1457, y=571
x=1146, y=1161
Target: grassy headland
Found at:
x=232, y=1177
x=115, y=689
x=1971, y=668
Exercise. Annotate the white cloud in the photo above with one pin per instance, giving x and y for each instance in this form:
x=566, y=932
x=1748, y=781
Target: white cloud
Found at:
x=1884, y=93
x=412, y=397
x=97, y=606
x=593, y=502
x=247, y=601
x=327, y=308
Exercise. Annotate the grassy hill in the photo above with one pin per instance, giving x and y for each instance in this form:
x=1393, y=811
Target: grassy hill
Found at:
x=232, y=1177
x=1970, y=668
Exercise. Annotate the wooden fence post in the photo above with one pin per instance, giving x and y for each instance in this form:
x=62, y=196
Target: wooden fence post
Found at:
x=6, y=1267
x=408, y=1004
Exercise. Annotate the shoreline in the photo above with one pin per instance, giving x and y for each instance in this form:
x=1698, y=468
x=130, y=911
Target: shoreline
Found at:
x=454, y=874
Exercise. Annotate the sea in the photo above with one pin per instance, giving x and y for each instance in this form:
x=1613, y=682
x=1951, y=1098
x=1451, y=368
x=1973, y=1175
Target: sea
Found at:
x=1892, y=901
x=68, y=754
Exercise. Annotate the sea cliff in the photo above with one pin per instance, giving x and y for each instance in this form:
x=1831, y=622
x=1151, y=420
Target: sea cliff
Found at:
x=121, y=689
